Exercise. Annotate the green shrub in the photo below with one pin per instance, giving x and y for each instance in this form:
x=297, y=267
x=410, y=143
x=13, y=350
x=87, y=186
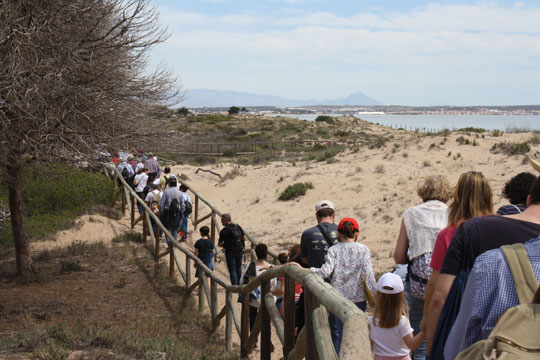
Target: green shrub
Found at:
x=128, y=236
x=325, y=118
x=511, y=148
x=497, y=133
x=70, y=266
x=473, y=129
x=295, y=190
x=54, y=195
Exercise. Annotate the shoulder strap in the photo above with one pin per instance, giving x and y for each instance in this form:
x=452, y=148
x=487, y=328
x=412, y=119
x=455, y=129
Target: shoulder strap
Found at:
x=522, y=272
x=517, y=208
x=326, y=237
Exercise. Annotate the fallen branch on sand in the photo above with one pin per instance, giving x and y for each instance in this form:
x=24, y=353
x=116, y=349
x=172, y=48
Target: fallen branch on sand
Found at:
x=208, y=171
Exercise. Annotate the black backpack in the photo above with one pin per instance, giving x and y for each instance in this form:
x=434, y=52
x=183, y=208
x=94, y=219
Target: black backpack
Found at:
x=174, y=209
x=238, y=235
x=125, y=173
x=188, y=209
x=251, y=273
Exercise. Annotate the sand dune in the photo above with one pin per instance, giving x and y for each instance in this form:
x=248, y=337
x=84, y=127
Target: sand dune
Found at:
x=374, y=186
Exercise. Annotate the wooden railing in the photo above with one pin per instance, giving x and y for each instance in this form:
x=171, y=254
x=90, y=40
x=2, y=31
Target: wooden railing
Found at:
x=312, y=342
x=245, y=148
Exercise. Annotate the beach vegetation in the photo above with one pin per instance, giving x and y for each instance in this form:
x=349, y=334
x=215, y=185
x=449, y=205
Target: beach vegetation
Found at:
x=325, y=118
x=183, y=111
x=463, y=141
x=128, y=236
x=379, y=169
x=511, y=148
x=473, y=129
x=233, y=110
x=295, y=190
x=427, y=163
x=54, y=195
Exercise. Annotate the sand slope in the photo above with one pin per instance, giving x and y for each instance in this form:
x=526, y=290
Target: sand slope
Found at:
x=374, y=186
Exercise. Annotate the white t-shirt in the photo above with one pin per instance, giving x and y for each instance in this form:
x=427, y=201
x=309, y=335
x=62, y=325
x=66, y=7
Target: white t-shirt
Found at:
x=142, y=179
x=389, y=342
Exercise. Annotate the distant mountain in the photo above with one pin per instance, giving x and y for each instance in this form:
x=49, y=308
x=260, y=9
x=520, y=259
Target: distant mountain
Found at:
x=223, y=98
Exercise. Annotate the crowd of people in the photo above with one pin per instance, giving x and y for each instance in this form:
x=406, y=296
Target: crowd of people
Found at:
x=458, y=281
x=457, y=284
x=159, y=190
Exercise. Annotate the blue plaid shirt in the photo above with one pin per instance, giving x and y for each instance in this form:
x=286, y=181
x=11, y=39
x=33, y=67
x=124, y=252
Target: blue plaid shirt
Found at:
x=490, y=291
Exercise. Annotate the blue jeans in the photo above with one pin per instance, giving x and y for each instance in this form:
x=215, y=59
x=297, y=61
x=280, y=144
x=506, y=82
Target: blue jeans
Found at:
x=184, y=226
x=416, y=311
x=139, y=206
x=234, y=264
x=336, y=327
x=173, y=228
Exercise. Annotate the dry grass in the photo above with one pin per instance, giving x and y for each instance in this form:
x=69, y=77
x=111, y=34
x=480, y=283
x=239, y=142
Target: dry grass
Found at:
x=121, y=306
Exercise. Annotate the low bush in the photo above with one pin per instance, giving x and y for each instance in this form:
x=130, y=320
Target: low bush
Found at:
x=128, y=236
x=70, y=266
x=511, y=148
x=295, y=190
x=325, y=118
x=473, y=129
x=54, y=195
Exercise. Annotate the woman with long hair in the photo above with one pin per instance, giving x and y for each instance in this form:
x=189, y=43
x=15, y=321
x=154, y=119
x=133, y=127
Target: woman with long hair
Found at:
x=472, y=197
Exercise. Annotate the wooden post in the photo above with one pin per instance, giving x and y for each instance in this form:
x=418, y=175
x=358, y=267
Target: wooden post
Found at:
x=213, y=302
x=196, y=213
x=229, y=322
x=289, y=317
x=310, y=303
x=266, y=330
x=171, y=261
x=123, y=201
x=218, y=153
x=156, y=250
x=132, y=200
x=202, y=278
x=235, y=149
x=144, y=227
x=213, y=229
x=188, y=272
x=244, y=325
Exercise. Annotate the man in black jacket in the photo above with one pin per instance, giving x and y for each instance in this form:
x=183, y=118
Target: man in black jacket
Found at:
x=232, y=239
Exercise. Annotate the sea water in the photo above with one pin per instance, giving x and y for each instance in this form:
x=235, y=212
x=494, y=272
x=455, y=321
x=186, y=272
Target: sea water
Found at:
x=440, y=122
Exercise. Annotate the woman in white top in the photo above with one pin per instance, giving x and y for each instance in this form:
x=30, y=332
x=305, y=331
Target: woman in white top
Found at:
x=140, y=181
x=419, y=229
x=348, y=264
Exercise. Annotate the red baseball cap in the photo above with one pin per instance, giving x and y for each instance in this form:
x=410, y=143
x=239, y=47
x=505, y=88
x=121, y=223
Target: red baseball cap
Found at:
x=341, y=225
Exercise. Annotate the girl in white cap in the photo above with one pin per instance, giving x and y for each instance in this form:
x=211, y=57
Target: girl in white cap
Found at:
x=391, y=333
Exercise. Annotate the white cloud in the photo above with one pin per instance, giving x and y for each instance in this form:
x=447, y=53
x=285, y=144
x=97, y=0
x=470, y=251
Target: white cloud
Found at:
x=393, y=56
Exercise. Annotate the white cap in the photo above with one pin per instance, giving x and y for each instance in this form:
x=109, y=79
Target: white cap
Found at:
x=324, y=204
x=390, y=284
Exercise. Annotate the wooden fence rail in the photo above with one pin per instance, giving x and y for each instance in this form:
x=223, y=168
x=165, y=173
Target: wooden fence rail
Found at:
x=312, y=342
x=246, y=148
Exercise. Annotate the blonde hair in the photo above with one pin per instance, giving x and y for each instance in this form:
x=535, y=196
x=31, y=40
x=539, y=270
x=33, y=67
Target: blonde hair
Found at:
x=435, y=187
x=389, y=308
x=472, y=197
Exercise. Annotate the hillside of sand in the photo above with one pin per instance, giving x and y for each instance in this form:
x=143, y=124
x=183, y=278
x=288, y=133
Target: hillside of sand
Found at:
x=373, y=185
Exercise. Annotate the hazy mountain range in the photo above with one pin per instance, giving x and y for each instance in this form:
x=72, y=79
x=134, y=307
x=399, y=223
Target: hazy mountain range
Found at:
x=223, y=98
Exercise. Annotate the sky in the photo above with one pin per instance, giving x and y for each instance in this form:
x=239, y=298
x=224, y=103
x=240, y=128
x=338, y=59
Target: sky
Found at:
x=406, y=52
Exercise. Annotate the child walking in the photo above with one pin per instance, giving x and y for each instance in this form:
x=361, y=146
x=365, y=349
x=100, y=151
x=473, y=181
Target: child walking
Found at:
x=391, y=333
x=205, y=249
x=348, y=264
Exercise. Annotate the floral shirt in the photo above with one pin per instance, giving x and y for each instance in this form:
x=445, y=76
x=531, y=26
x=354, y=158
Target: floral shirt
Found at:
x=348, y=264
